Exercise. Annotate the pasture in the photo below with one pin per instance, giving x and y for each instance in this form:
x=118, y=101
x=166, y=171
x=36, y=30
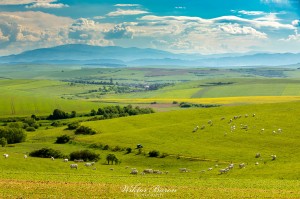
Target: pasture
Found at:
x=170, y=133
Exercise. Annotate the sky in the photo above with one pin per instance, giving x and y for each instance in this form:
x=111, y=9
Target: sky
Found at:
x=179, y=26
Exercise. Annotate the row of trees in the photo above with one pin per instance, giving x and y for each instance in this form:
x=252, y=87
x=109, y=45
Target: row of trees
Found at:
x=59, y=114
x=118, y=111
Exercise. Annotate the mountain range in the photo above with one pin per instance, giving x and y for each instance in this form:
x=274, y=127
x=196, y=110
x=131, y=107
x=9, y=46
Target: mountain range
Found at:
x=113, y=56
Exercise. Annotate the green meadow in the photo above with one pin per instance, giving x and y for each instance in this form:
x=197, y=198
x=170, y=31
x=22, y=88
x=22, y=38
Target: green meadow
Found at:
x=258, y=113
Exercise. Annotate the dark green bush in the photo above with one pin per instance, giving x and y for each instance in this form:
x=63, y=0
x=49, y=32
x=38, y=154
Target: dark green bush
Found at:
x=12, y=135
x=85, y=155
x=62, y=139
x=128, y=150
x=154, y=153
x=85, y=131
x=46, y=153
x=73, y=126
x=30, y=129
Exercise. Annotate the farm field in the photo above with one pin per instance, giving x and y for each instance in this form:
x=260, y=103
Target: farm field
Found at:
x=217, y=144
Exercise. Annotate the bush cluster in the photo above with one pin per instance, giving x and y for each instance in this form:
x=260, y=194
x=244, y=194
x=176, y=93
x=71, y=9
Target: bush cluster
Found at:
x=46, y=153
x=85, y=130
x=12, y=135
x=62, y=139
x=85, y=155
x=154, y=153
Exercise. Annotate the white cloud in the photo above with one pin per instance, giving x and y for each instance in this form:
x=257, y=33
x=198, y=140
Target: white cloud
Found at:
x=120, y=12
x=275, y=1
x=22, y=2
x=236, y=29
x=251, y=13
x=46, y=5
x=180, y=7
x=119, y=32
x=127, y=5
x=296, y=23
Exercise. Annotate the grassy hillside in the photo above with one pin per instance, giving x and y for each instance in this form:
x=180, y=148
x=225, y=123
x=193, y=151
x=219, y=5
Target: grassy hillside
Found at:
x=169, y=133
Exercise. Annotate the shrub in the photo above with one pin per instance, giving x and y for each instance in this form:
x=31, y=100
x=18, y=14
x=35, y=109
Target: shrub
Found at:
x=73, y=126
x=85, y=155
x=56, y=124
x=154, y=153
x=85, y=130
x=13, y=135
x=62, y=139
x=3, y=142
x=128, y=150
x=30, y=129
x=106, y=147
x=117, y=148
x=46, y=153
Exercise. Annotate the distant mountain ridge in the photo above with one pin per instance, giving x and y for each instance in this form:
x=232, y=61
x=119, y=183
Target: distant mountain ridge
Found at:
x=114, y=56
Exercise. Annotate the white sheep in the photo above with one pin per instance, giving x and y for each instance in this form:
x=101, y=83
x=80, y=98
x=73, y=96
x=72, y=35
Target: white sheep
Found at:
x=196, y=129
x=5, y=155
x=65, y=160
x=242, y=165
x=52, y=158
x=183, y=170
x=257, y=155
x=209, y=169
x=279, y=130
x=88, y=164
x=148, y=171
x=134, y=172
x=25, y=156
x=73, y=166
x=230, y=166
x=257, y=163
x=273, y=157
x=224, y=170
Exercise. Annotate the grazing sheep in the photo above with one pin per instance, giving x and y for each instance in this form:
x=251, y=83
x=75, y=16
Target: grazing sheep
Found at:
x=209, y=169
x=242, y=165
x=279, y=130
x=157, y=172
x=224, y=170
x=230, y=121
x=273, y=157
x=196, y=129
x=231, y=166
x=88, y=164
x=253, y=115
x=5, y=155
x=216, y=165
x=262, y=130
x=73, y=166
x=256, y=163
x=25, y=156
x=257, y=155
x=246, y=115
x=148, y=171
x=209, y=122
x=202, y=127
x=66, y=160
x=183, y=170
x=52, y=158
x=134, y=172
x=274, y=132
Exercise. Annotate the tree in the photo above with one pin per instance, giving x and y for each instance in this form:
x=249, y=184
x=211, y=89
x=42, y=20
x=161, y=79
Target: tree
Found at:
x=112, y=158
x=3, y=142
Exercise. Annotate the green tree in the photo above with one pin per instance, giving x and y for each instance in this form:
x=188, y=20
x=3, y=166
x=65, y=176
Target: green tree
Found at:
x=111, y=158
x=3, y=142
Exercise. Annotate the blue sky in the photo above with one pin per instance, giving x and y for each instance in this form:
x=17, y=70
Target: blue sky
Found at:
x=180, y=26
